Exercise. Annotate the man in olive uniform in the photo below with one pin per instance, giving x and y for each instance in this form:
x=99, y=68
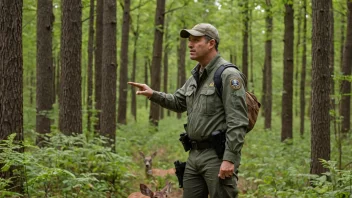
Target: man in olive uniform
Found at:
x=205, y=173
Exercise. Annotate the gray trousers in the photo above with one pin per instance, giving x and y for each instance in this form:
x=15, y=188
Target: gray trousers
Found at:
x=201, y=177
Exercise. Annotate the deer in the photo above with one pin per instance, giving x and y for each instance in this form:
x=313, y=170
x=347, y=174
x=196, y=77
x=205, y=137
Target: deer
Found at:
x=146, y=192
x=149, y=171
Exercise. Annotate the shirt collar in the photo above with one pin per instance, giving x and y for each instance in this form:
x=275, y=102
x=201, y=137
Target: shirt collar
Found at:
x=208, y=68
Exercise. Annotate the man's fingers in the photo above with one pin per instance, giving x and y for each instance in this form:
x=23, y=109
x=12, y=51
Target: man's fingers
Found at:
x=135, y=84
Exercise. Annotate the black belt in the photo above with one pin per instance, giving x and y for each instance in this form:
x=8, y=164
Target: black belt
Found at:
x=200, y=145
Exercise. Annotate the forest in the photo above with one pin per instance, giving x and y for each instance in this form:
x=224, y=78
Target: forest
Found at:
x=71, y=126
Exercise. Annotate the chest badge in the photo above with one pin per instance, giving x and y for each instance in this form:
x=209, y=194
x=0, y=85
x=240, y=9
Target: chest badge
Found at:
x=235, y=84
x=211, y=84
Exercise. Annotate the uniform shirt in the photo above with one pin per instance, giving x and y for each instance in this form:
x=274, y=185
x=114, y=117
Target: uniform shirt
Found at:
x=207, y=112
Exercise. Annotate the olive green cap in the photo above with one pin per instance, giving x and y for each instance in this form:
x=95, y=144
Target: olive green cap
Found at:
x=201, y=29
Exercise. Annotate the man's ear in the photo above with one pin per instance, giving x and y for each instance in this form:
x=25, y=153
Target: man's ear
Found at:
x=212, y=43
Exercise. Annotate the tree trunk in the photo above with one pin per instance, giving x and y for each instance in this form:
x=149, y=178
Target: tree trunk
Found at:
x=342, y=39
x=166, y=65
x=98, y=62
x=245, y=39
x=108, y=95
x=331, y=63
x=90, y=65
x=303, y=70
x=268, y=66
x=70, y=115
x=296, y=68
x=58, y=71
x=182, y=65
x=133, y=77
x=122, y=106
x=11, y=83
x=286, y=122
x=45, y=69
x=320, y=125
x=156, y=61
x=345, y=108
x=251, y=58
x=146, y=64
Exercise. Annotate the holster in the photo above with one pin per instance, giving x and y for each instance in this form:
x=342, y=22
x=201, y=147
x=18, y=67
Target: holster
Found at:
x=186, y=142
x=180, y=170
x=218, y=140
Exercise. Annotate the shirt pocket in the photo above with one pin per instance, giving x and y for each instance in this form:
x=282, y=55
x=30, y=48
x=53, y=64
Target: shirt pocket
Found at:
x=207, y=101
x=189, y=99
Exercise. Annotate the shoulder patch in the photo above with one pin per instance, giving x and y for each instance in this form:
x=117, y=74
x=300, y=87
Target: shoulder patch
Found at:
x=235, y=84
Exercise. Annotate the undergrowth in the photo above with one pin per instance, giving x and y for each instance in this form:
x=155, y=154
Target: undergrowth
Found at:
x=74, y=166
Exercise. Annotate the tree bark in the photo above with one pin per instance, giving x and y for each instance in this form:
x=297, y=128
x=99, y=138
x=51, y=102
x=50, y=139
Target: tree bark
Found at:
x=182, y=66
x=303, y=71
x=146, y=64
x=45, y=69
x=98, y=58
x=122, y=106
x=90, y=65
x=70, y=115
x=11, y=83
x=108, y=97
x=166, y=65
x=245, y=39
x=287, y=95
x=134, y=67
x=157, y=56
x=345, y=107
x=268, y=66
x=320, y=119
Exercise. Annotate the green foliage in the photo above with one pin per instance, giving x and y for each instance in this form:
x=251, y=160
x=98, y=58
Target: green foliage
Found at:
x=69, y=166
x=271, y=168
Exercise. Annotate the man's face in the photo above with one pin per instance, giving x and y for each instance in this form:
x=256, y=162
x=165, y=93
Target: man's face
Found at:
x=199, y=47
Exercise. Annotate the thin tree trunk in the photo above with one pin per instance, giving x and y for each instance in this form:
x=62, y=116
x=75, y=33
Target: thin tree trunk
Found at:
x=251, y=63
x=287, y=96
x=90, y=65
x=58, y=74
x=303, y=70
x=133, y=77
x=165, y=64
x=320, y=125
x=345, y=107
x=157, y=56
x=296, y=68
x=245, y=39
x=98, y=62
x=45, y=69
x=70, y=115
x=342, y=39
x=268, y=65
x=146, y=63
x=178, y=77
x=108, y=95
x=11, y=84
x=122, y=106
x=182, y=65
x=331, y=64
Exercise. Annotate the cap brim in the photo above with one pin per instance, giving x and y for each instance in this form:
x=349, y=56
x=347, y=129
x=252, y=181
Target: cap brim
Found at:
x=186, y=33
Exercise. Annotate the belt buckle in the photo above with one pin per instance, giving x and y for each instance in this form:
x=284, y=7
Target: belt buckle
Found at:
x=194, y=145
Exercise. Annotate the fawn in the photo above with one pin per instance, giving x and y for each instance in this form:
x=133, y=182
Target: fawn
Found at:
x=149, y=171
x=146, y=192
